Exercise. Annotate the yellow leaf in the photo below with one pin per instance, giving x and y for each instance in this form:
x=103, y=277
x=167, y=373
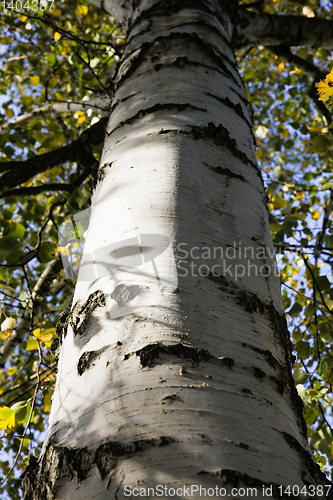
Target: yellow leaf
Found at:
x=316, y=215
x=32, y=344
x=46, y=336
x=6, y=40
x=56, y=12
x=325, y=87
x=35, y=80
x=281, y=65
x=82, y=10
x=36, y=332
x=11, y=371
x=23, y=18
x=271, y=207
x=7, y=417
x=47, y=401
x=9, y=112
x=4, y=335
x=259, y=154
x=48, y=331
x=56, y=36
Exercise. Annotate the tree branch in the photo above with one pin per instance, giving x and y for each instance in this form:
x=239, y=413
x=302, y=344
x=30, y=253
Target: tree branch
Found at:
x=266, y=29
x=308, y=67
x=18, y=172
x=54, y=186
x=101, y=103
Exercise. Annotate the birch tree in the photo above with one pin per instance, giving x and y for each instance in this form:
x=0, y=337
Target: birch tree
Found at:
x=175, y=364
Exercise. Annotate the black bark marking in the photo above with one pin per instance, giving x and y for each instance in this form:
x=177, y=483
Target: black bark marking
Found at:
x=78, y=317
x=55, y=347
x=280, y=384
x=41, y=476
x=219, y=135
x=247, y=391
x=227, y=172
x=61, y=327
x=235, y=107
x=149, y=49
x=243, y=445
x=87, y=359
x=271, y=360
x=258, y=373
x=80, y=314
x=153, y=109
x=179, y=62
x=150, y=352
x=251, y=303
x=229, y=362
x=100, y=176
x=107, y=454
x=61, y=331
x=168, y=397
x=123, y=294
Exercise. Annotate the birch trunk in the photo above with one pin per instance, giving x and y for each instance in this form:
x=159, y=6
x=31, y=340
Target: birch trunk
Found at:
x=184, y=379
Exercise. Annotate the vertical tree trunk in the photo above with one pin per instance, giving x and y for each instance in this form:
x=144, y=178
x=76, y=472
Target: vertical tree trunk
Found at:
x=176, y=384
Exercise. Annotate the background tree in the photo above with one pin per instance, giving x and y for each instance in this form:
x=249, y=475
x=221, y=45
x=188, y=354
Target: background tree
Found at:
x=67, y=56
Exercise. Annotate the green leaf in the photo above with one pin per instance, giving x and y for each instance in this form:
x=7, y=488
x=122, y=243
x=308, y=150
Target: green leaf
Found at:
x=17, y=231
x=310, y=415
x=22, y=413
x=300, y=377
x=295, y=310
x=323, y=283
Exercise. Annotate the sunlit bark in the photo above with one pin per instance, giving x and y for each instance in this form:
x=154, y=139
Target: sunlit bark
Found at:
x=166, y=383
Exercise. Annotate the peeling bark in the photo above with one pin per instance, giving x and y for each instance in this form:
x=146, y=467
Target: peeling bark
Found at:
x=60, y=464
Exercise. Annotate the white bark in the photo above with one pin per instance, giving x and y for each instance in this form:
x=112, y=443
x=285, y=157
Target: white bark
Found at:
x=193, y=387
